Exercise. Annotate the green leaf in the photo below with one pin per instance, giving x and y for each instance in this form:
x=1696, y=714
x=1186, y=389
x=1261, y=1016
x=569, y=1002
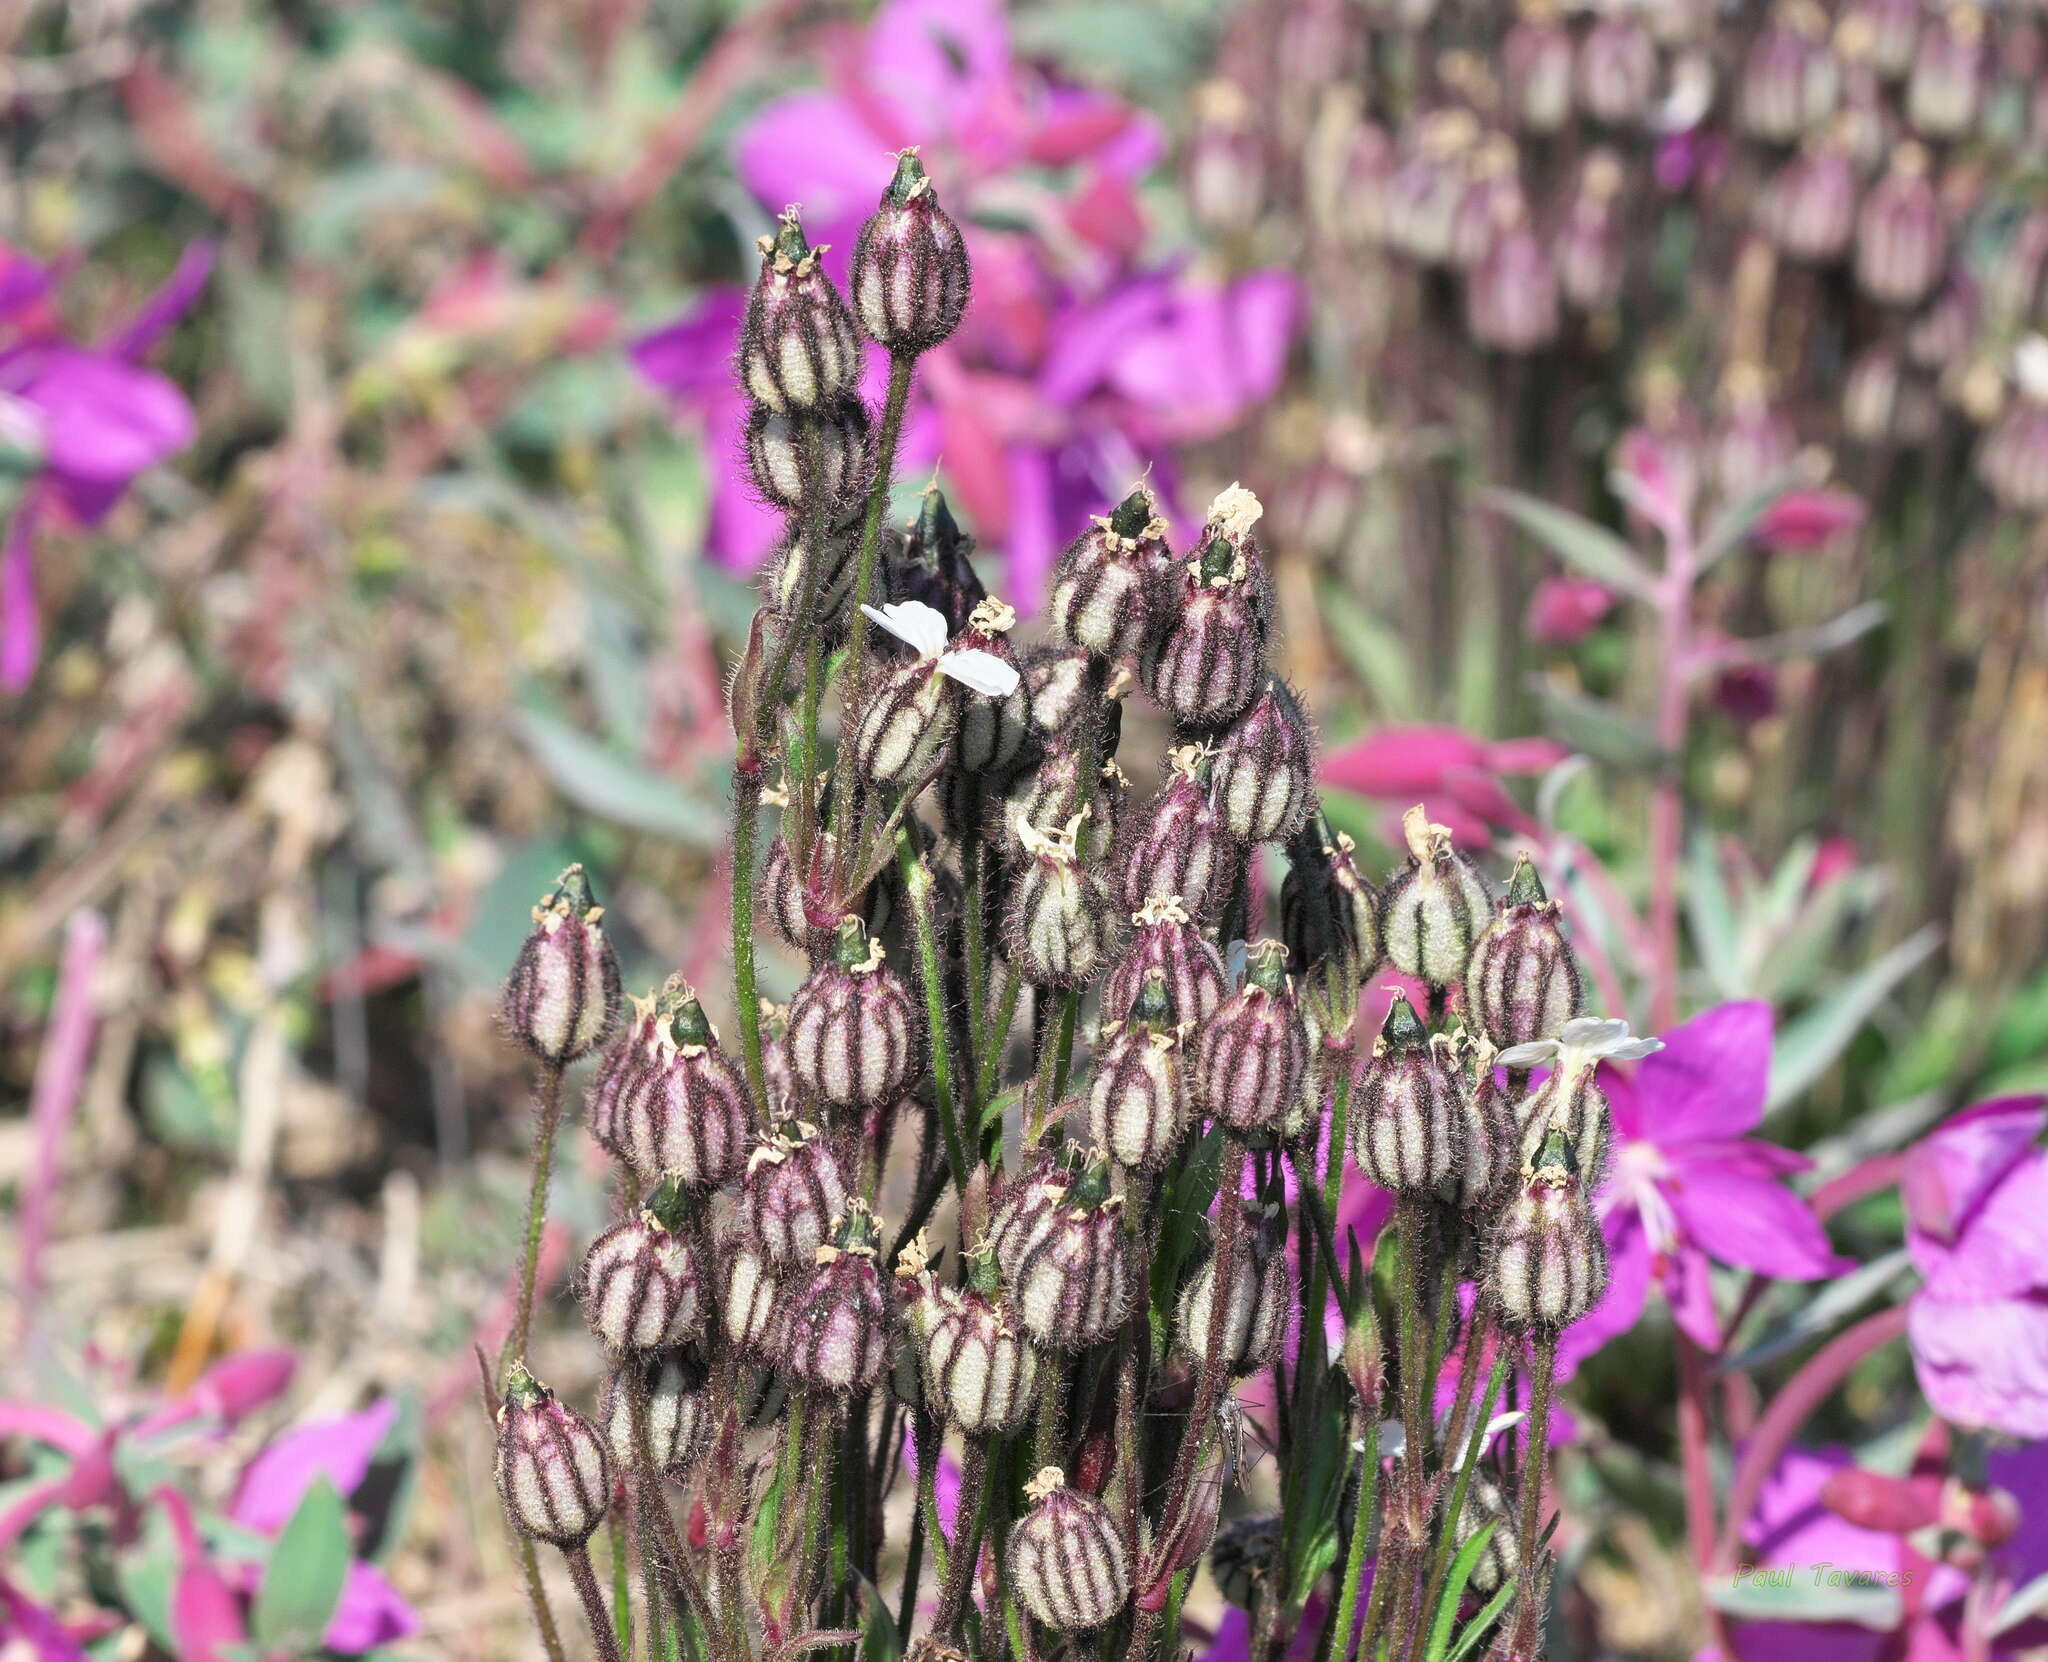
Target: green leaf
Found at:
x=1378, y=654
x=1808, y=1044
x=1836, y=1300
x=1447, y=1602
x=1734, y=523
x=615, y=787
x=1310, y=1515
x=1599, y=729
x=880, y=1642
x=1804, y=1596
x=1478, y=1627
x=1711, y=914
x=146, y=1576
x=1591, y=549
x=303, y=1581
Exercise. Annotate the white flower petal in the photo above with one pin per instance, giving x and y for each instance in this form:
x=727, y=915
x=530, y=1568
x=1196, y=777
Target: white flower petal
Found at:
x=1635, y=1050
x=983, y=671
x=913, y=621
x=1526, y=1056
x=1594, y=1033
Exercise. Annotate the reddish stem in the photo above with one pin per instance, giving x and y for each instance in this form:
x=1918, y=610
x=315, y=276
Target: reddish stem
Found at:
x=60, y=1081
x=1699, y=1472
x=1791, y=1408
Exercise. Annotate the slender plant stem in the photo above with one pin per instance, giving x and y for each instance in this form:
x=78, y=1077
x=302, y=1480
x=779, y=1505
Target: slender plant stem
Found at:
x=966, y=1551
x=997, y=1035
x=1408, y=1223
x=1542, y=1376
x=537, y=1598
x=647, y=1500
x=1052, y=1408
x=1693, y=1386
x=918, y=886
x=913, y=1573
x=622, y=1588
x=1339, y=1647
x=893, y=404
x=746, y=819
x=972, y=862
x=1447, y=1536
x=593, y=1603
x=536, y=1217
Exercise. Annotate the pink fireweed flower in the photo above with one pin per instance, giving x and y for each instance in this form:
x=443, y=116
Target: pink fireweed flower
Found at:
x=1976, y=1194
x=1688, y=1187
x=1074, y=370
x=77, y=425
x=1565, y=610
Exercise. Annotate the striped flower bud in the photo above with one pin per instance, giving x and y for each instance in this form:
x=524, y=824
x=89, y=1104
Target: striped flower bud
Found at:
x=798, y=347
x=562, y=998
x=1791, y=80
x=1945, y=90
x=1536, y=68
x=1570, y=1099
x=934, y=563
x=1106, y=583
x=1068, y=1559
x=1901, y=237
x=1431, y=912
x=680, y=1104
x=1549, y=1264
x=1406, y=1095
x=1264, y=776
x=640, y=1285
x=1617, y=70
x=754, y=1305
x=1591, y=250
x=1885, y=33
x=1058, y=928
x=554, y=1475
x=910, y=275
x=1061, y=1246
x=854, y=1030
x=1050, y=793
x=980, y=1373
x=776, y=455
x=792, y=899
x=838, y=1322
x=992, y=731
x=791, y=1194
x=678, y=1427
x=1490, y=1145
x=1428, y=184
x=1511, y=291
x=1253, y=1052
x=1523, y=983
x=1177, y=847
x=1138, y=1094
x=1808, y=208
x=1329, y=913
x=1165, y=938
x=1499, y=1562
x=1255, y=1313
x=908, y=714
x=1205, y=664
x=813, y=593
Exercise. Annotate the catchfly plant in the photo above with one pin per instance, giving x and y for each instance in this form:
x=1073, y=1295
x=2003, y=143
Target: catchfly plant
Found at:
x=1036, y=1176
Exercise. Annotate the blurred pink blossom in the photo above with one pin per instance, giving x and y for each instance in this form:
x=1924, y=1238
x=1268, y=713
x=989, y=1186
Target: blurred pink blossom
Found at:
x=1454, y=774
x=1804, y=520
x=1565, y=610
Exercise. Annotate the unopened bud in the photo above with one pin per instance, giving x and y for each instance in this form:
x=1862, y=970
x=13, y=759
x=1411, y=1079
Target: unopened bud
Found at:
x=838, y=1321
x=1617, y=70
x=910, y=275
x=676, y=1104
x=1177, y=847
x=980, y=1372
x=678, y=1426
x=1258, y=1302
x=641, y=1286
x=1549, y=1263
x=1253, y=1052
x=854, y=1029
x=791, y=1194
x=1264, y=778
x=1499, y=1563
x=798, y=348
x=1106, y=583
x=1067, y=1559
x=1138, y=1095
x=1058, y=928
x=1432, y=912
x=1523, y=983
x=562, y=999
x=1901, y=237
x=779, y=460
x=554, y=1475
x=1407, y=1093
x=1791, y=80
x=1064, y=1254
x=1164, y=938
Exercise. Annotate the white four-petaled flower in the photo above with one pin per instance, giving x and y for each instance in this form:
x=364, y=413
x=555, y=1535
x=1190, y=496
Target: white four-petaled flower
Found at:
x=924, y=627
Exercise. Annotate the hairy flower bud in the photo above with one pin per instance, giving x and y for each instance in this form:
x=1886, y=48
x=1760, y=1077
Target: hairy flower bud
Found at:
x=678, y=1426
x=1138, y=1095
x=814, y=593
x=1177, y=847
x=777, y=459
x=1570, y=1099
x=1617, y=70
x=754, y=1313
x=1258, y=1301
x=1591, y=251
x=1549, y=1263
x=791, y=1194
x=562, y=998
x=907, y=716
x=1058, y=927
x=1264, y=778
x=1511, y=290
x=1431, y=913
x=641, y=1286
x=1064, y=1254
x=1405, y=1104
x=1523, y=983
x=1490, y=1144
x=1790, y=83
x=1901, y=238
x=1945, y=90
x=1105, y=586
x=1500, y=1560
x=678, y=1104
x=1164, y=938
x=910, y=275
x=838, y=1323
x=554, y=1475
x=854, y=1029
x=1329, y=913
x=1808, y=208
x=980, y=1373
x=1050, y=793
x=798, y=347
x=992, y=731
x=1068, y=1559
x=1536, y=68
x=1253, y=1053
x=934, y=563
x=1205, y=665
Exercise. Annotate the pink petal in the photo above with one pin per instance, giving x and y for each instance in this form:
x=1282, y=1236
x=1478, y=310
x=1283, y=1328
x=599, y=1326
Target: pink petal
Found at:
x=237, y=1386
x=1689, y=1290
x=2003, y=1249
x=815, y=149
x=1984, y=1364
x=40, y=1635
x=1792, y=1525
x=172, y=300
x=1519, y=756
x=1804, y=520
x=1211, y=354
x=340, y=1450
x=1951, y=1173
x=372, y=1612
x=1739, y=1218
x=693, y=356
x=1565, y=610
x=1401, y=762
x=939, y=63
x=1710, y=1077
x=103, y=420
x=46, y=1425
x=1628, y=1287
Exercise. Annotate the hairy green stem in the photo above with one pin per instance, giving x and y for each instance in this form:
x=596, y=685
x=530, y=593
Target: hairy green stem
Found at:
x=585, y=1577
x=997, y=1036
x=918, y=887
x=1339, y=1647
x=966, y=1550
x=1541, y=1379
x=1447, y=1535
x=536, y=1217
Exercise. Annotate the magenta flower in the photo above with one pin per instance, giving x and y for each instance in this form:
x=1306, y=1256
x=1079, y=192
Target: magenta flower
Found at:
x=1689, y=1186
x=1075, y=370
x=1976, y=1194
x=77, y=424
x=1452, y=773
x=1564, y=610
